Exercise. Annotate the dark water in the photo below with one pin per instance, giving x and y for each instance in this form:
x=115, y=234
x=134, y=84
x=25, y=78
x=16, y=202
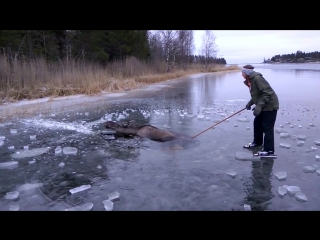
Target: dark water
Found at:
x=157, y=176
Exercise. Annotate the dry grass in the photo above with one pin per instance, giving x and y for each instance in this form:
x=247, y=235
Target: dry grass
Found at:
x=38, y=78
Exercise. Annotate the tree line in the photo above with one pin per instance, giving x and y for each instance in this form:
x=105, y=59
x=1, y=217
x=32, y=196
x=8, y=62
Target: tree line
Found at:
x=175, y=47
x=294, y=57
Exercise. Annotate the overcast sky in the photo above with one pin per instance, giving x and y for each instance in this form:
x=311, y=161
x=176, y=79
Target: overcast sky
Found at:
x=252, y=46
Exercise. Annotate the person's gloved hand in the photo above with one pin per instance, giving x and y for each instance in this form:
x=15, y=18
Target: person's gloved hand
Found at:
x=256, y=110
x=248, y=107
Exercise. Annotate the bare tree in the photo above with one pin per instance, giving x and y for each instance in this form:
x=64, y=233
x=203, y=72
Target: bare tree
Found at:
x=169, y=46
x=209, y=47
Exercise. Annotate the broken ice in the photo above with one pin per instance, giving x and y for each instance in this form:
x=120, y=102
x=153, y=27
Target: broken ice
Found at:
x=302, y=137
x=70, y=150
x=58, y=150
x=108, y=205
x=62, y=164
x=300, y=143
x=285, y=145
x=301, y=197
x=83, y=207
x=236, y=125
x=281, y=175
x=317, y=142
x=309, y=169
x=285, y=135
x=282, y=190
x=13, y=131
x=113, y=196
x=313, y=149
x=30, y=153
x=247, y=207
x=14, y=207
x=232, y=173
x=318, y=171
x=33, y=137
x=1, y=142
x=293, y=189
x=79, y=189
x=8, y=165
x=11, y=147
x=12, y=195
x=318, y=158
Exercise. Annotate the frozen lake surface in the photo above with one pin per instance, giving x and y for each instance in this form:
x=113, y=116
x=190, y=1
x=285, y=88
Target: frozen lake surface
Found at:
x=55, y=157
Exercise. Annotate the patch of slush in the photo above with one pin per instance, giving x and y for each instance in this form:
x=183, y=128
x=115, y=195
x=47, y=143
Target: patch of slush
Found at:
x=30, y=153
x=52, y=125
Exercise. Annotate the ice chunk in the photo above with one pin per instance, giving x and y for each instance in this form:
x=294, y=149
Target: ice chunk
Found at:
x=14, y=207
x=62, y=164
x=301, y=197
x=99, y=167
x=12, y=195
x=285, y=135
x=113, y=196
x=281, y=175
x=300, y=143
x=318, y=158
x=302, y=137
x=317, y=142
x=232, y=173
x=13, y=131
x=108, y=205
x=318, y=172
x=70, y=150
x=29, y=186
x=79, y=189
x=313, y=149
x=200, y=116
x=11, y=147
x=311, y=125
x=243, y=120
x=33, y=137
x=1, y=142
x=315, y=166
x=30, y=153
x=32, y=161
x=248, y=128
x=58, y=150
x=8, y=165
x=278, y=130
x=300, y=126
x=247, y=207
x=26, y=147
x=307, y=150
x=293, y=189
x=282, y=190
x=285, y=145
x=2, y=137
x=83, y=207
x=309, y=169
x=235, y=125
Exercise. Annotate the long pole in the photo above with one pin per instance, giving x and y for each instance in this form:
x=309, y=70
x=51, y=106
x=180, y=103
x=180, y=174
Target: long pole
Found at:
x=218, y=123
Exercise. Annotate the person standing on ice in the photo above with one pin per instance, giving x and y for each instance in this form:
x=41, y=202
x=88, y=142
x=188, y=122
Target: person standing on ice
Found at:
x=265, y=111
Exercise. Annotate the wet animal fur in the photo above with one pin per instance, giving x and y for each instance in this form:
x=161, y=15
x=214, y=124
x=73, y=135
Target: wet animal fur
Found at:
x=146, y=131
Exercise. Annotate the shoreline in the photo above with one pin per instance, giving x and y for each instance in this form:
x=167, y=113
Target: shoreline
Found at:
x=24, y=108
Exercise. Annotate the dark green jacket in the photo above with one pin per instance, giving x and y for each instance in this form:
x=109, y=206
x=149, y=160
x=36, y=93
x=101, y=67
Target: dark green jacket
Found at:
x=262, y=93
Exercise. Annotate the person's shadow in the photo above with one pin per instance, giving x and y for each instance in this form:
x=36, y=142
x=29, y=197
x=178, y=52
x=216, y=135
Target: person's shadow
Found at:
x=258, y=187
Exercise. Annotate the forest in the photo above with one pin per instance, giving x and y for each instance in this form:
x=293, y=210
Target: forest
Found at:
x=298, y=57
x=51, y=63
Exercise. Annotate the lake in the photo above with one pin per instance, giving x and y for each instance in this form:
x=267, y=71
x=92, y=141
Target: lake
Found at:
x=55, y=155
